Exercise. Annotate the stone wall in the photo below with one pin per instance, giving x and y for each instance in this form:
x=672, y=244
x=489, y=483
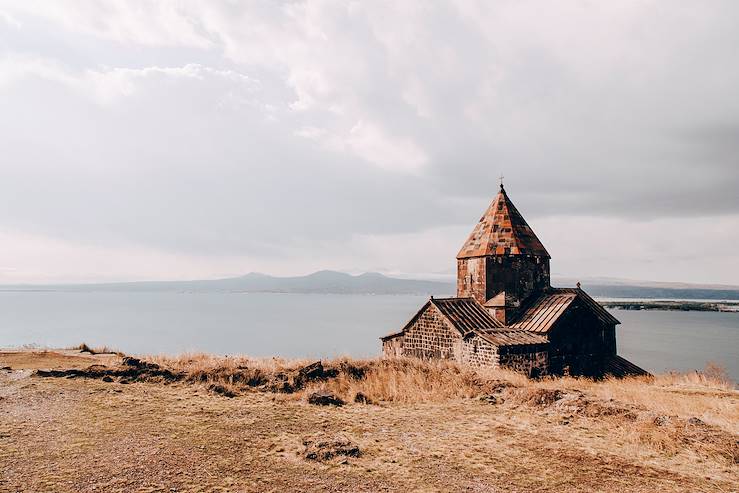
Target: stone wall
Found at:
x=429, y=337
x=484, y=277
x=471, y=278
x=392, y=347
x=580, y=343
x=476, y=351
x=518, y=276
x=531, y=360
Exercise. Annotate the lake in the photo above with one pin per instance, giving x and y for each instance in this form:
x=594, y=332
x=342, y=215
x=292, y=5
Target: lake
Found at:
x=311, y=326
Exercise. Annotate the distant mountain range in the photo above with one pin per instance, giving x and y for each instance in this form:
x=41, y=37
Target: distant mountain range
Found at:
x=629, y=288
x=321, y=282
x=331, y=282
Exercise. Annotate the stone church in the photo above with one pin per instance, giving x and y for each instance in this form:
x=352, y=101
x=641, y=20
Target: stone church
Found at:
x=506, y=314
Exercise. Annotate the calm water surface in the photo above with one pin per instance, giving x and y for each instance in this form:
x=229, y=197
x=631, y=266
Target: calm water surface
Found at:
x=295, y=325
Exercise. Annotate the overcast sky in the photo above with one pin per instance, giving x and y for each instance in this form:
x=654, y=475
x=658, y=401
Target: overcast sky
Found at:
x=177, y=140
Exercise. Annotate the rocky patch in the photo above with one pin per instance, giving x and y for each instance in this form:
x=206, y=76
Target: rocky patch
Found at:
x=131, y=370
x=323, y=449
x=323, y=398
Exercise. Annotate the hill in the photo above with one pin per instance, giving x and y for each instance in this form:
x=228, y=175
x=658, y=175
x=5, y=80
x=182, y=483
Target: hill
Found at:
x=333, y=282
x=321, y=282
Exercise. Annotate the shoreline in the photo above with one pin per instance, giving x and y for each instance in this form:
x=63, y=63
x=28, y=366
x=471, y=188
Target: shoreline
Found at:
x=673, y=305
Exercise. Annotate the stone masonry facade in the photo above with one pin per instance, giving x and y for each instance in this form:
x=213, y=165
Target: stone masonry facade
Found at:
x=476, y=351
x=507, y=314
x=429, y=337
x=531, y=360
x=484, y=277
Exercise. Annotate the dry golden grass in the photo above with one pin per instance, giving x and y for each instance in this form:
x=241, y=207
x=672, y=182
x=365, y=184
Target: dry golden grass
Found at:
x=692, y=394
x=413, y=381
x=401, y=380
x=84, y=348
x=34, y=359
x=651, y=412
x=686, y=395
x=428, y=430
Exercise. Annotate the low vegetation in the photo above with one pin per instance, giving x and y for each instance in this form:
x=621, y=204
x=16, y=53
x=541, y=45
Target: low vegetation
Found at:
x=84, y=348
x=376, y=424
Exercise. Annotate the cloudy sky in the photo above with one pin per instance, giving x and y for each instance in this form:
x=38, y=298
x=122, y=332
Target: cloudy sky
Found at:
x=176, y=140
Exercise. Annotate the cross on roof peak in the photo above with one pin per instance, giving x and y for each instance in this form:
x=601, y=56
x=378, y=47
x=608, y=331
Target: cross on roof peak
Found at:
x=501, y=180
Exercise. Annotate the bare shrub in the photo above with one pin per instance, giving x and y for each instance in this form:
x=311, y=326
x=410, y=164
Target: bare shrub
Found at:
x=714, y=372
x=84, y=348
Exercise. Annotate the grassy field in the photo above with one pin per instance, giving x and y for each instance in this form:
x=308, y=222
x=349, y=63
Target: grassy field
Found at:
x=417, y=427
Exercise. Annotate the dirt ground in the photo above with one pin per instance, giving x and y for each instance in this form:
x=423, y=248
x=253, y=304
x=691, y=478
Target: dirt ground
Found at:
x=19, y=360
x=60, y=435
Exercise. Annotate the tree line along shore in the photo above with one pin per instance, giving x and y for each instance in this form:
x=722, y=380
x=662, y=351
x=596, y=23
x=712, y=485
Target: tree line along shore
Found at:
x=674, y=305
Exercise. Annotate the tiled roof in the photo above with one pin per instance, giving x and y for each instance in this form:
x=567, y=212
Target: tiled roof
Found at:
x=544, y=311
x=502, y=230
x=541, y=313
x=621, y=367
x=466, y=314
x=469, y=316
x=598, y=310
x=408, y=323
x=513, y=337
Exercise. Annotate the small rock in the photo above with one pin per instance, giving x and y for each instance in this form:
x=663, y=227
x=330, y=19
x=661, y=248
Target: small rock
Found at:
x=107, y=378
x=131, y=361
x=312, y=372
x=324, y=449
x=6, y=368
x=661, y=420
x=491, y=399
x=139, y=364
x=220, y=389
x=360, y=398
x=696, y=422
x=323, y=398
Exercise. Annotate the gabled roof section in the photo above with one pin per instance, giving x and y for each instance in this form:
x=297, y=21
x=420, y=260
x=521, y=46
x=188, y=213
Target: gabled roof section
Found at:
x=408, y=323
x=543, y=312
x=466, y=314
x=619, y=367
x=598, y=310
x=547, y=308
x=513, y=338
x=502, y=230
x=469, y=317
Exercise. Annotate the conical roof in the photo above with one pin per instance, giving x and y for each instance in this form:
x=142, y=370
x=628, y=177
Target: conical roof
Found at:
x=502, y=230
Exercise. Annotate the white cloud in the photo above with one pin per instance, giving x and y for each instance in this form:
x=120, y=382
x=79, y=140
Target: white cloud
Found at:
x=16, y=67
x=10, y=20
x=372, y=144
x=163, y=22
x=371, y=123
x=107, y=85
x=27, y=258
x=667, y=249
